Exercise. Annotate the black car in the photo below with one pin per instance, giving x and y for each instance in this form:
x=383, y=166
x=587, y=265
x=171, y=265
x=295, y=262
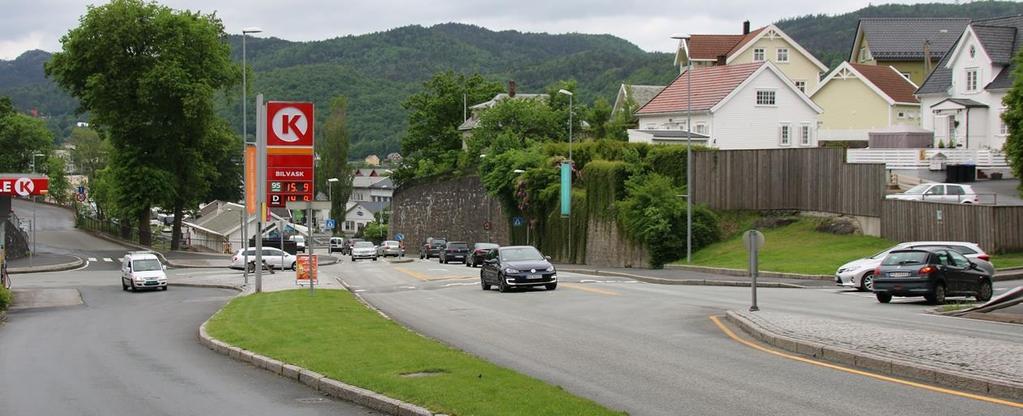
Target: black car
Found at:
x=454, y=251
x=931, y=273
x=432, y=247
x=517, y=266
x=479, y=253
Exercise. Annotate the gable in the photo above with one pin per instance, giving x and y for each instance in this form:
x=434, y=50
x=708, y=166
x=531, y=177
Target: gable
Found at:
x=766, y=75
x=772, y=32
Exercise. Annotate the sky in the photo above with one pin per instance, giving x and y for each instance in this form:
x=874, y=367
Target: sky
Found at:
x=39, y=24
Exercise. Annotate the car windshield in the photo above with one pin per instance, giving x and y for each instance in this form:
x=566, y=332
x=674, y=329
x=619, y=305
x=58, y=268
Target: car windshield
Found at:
x=485, y=246
x=900, y=258
x=439, y=243
x=521, y=254
x=917, y=190
x=363, y=244
x=458, y=246
x=146, y=265
x=391, y=243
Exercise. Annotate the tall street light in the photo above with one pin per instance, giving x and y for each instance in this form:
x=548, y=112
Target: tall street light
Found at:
x=571, y=254
x=689, y=162
x=245, y=162
x=330, y=197
x=33, y=252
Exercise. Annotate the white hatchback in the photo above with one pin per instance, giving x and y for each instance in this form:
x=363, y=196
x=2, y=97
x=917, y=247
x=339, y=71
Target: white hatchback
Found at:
x=859, y=273
x=273, y=257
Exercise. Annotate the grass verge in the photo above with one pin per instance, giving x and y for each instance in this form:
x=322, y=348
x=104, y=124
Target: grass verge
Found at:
x=794, y=248
x=6, y=297
x=1002, y=261
x=333, y=334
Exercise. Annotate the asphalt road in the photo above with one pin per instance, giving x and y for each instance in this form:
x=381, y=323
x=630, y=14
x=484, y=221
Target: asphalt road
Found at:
x=652, y=349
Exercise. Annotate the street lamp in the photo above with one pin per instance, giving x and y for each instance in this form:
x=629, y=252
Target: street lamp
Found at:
x=245, y=162
x=330, y=195
x=33, y=252
x=571, y=254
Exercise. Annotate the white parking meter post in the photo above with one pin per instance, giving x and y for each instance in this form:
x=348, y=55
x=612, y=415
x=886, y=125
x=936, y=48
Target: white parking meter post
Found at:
x=754, y=241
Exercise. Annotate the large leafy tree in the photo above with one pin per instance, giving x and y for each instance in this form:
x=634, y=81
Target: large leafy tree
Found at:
x=148, y=74
x=21, y=137
x=1013, y=117
x=89, y=153
x=333, y=150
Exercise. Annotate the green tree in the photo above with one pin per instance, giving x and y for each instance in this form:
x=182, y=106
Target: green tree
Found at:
x=60, y=188
x=89, y=153
x=21, y=137
x=1013, y=117
x=375, y=232
x=147, y=74
x=599, y=118
x=333, y=150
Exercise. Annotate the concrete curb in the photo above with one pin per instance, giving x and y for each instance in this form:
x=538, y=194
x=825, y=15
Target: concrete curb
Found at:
x=208, y=286
x=1006, y=275
x=313, y=380
x=684, y=282
x=398, y=261
x=328, y=261
x=79, y=262
x=743, y=273
x=878, y=364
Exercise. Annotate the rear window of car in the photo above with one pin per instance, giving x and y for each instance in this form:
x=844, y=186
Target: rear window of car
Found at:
x=897, y=258
x=439, y=243
x=960, y=249
x=458, y=246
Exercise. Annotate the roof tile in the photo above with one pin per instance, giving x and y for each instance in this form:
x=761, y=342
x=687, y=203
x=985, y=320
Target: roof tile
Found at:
x=710, y=85
x=889, y=81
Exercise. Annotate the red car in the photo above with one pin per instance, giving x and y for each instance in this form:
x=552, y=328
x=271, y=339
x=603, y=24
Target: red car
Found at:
x=479, y=252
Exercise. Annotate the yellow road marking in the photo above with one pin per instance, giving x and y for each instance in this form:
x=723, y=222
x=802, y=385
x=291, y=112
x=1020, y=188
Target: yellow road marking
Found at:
x=427, y=278
x=731, y=335
x=590, y=289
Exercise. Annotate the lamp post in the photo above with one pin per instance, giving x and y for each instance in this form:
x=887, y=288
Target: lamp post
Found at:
x=245, y=143
x=330, y=197
x=33, y=252
x=571, y=254
x=689, y=162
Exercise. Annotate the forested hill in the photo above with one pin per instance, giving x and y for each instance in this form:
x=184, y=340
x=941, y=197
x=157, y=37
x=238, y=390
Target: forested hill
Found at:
x=378, y=71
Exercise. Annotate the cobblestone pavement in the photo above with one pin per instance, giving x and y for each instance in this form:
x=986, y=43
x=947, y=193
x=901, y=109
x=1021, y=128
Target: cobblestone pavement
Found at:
x=989, y=358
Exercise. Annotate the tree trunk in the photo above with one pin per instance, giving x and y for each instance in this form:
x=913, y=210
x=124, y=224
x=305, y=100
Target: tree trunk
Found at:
x=145, y=233
x=179, y=207
x=125, y=229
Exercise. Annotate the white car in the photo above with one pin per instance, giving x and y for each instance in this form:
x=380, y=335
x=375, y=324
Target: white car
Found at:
x=859, y=273
x=364, y=250
x=299, y=242
x=142, y=270
x=273, y=257
x=939, y=192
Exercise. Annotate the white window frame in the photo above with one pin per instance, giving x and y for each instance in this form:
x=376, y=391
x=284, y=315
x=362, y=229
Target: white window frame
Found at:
x=759, y=52
x=976, y=79
x=778, y=54
x=906, y=75
x=700, y=128
x=805, y=135
x=800, y=85
x=773, y=95
x=785, y=134
x=1003, y=129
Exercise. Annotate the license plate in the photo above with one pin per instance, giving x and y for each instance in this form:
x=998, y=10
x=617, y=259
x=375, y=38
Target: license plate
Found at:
x=533, y=276
x=898, y=274
x=151, y=282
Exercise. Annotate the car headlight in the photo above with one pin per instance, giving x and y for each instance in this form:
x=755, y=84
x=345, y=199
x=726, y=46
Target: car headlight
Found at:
x=550, y=269
x=510, y=270
x=840, y=271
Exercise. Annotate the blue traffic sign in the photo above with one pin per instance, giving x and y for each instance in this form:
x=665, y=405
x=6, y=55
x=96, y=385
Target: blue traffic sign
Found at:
x=518, y=221
x=81, y=189
x=330, y=223
x=399, y=237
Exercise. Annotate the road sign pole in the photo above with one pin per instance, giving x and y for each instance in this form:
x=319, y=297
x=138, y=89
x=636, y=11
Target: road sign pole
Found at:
x=753, y=240
x=309, y=245
x=260, y=187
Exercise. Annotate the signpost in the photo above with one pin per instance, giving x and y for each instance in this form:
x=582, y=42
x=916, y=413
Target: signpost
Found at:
x=753, y=240
x=330, y=224
x=399, y=237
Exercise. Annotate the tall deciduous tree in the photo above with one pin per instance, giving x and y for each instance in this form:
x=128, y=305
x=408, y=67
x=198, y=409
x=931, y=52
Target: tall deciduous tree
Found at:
x=1013, y=117
x=333, y=150
x=21, y=137
x=59, y=188
x=147, y=74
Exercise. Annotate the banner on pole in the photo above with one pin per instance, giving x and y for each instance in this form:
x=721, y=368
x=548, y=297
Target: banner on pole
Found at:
x=566, y=189
x=306, y=268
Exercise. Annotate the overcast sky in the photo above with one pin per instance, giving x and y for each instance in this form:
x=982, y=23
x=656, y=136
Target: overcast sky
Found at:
x=39, y=24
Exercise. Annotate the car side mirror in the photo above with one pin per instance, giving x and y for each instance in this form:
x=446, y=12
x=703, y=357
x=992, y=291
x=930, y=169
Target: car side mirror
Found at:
x=165, y=267
x=547, y=257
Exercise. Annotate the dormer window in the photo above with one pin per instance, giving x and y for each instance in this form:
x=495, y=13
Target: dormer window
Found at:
x=758, y=55
x=971, y=80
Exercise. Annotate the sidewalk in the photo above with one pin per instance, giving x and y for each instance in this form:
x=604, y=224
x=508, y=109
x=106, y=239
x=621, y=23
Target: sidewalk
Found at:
x=234, y=279
x=686, y=277
x=44, y=262
x=987, y=366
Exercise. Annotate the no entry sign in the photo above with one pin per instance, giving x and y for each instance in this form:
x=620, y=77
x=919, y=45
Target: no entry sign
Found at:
x=23, y=185
x=290, y=157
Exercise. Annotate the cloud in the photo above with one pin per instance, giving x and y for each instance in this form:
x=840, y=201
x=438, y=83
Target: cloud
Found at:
x=11, y=48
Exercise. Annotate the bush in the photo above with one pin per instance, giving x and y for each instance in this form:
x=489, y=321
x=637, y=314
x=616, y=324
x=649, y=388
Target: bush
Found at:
x=5, y=298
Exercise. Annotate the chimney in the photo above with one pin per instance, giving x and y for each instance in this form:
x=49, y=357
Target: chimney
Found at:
x=745, y=27
x=722, y=60
x=511, y=89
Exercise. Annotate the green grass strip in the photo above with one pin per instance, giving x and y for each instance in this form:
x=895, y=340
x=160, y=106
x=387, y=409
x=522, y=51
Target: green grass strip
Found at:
x=332, y=333
x=1002, y=261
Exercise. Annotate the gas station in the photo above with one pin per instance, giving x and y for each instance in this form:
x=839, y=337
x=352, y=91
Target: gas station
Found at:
x=17, y=185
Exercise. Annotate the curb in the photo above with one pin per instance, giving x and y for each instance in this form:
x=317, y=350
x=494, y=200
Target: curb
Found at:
x=1007, y=275
x=208, y=286
x=879, y=365
x=684, y=282
x=49, y=268
x=314, y=380
x=743, y=273
x=398, y=261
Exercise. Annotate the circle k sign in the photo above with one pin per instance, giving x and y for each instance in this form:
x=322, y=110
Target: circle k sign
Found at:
x=289, y=123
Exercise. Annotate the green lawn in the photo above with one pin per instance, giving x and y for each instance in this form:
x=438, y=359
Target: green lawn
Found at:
x=1002, y=261
x=335, y=335
x=795, y=248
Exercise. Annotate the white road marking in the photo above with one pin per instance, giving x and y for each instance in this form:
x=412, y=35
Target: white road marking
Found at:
x=438, y=270
x=408, y=287
x=108, y=259
x=92, y=259
x=460, y=284
x=359, y=290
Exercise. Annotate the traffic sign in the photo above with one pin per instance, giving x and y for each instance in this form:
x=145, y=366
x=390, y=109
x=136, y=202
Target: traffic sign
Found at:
x=753, y=240
x=81, y=189
x=80, y=197
x=23, y=185
x=330, y=223
x=518, y=221
x=399, y=237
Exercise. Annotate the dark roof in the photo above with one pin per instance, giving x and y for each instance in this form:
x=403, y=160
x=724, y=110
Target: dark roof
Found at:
x=1004, y=79
x=888, y=81
x=965, y=102
x=385, y=183
x=899, y=38
x=998, y=42
x=710, y=85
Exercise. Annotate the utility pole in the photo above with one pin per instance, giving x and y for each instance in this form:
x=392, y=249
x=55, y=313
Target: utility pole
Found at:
x=689, y=163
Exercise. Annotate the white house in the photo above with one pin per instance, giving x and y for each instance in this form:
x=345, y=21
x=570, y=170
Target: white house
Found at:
x=961, y=100
x=358, y=214
x=371, y=189
x=742, y=106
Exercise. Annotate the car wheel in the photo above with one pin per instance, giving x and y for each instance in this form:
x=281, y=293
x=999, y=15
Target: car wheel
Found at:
x=294, y=265
x=867, y=282
x=164, y=288
x=984, y=292
x=551, y=286
x=124, y=287
x=502, y=285
x=132, y=287
x=884, y=297
x=374, y=259
x=938, y=297
x=483, y=283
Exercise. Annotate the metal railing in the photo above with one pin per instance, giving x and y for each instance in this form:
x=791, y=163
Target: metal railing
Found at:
x=921, y=158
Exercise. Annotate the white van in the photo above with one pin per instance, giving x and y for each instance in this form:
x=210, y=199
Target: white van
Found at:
x=142, y=270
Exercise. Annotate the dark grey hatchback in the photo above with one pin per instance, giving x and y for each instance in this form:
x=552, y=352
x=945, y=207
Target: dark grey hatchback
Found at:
x=931, y=273
x=517, y=266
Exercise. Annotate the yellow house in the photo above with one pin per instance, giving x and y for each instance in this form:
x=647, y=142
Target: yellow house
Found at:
x=768, y=43
x=857, y=99
x=902, y=43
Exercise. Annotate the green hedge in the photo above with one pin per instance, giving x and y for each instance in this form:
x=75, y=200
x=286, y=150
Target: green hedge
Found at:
x=5, y=298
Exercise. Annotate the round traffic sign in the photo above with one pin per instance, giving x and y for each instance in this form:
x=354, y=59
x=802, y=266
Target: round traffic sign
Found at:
x=80, y=197
x=753, y=240
x=399, y=236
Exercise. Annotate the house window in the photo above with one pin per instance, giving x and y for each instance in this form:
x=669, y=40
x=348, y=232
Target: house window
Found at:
x=785, y=134
x=971, y=80
x=349, y=225
x=864, y=54
x=783, y=54
x=701, y=128
x=765, y=97
x=758, y=55
x=804, y=135
x=801, y=86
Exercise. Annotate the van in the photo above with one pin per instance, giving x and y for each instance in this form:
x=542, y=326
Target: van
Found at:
x=336, y=244
x=142, y=270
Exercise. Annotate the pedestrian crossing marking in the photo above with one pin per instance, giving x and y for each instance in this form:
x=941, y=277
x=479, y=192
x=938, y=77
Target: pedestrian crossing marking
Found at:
x=108, y=259
x=92, y=259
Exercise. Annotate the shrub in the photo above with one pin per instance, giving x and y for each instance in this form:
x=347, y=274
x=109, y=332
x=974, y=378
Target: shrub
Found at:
x=5, y=298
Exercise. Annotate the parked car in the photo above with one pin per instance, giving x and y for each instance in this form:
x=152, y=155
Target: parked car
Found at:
x=432, y=248
x=364, y=250
x=336, y=244
x=390, y=248
x=142, y=270
x=859, y=273
x=517, y=266
x=273, y=257
x=931, y=273
x=299, y=243
x=349, y=242
x=454, y=251
x=939, y=192
x=479, y=252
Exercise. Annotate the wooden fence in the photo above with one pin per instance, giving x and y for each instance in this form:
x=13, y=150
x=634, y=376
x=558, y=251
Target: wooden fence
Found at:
x=997, y=229
x=817, y=179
